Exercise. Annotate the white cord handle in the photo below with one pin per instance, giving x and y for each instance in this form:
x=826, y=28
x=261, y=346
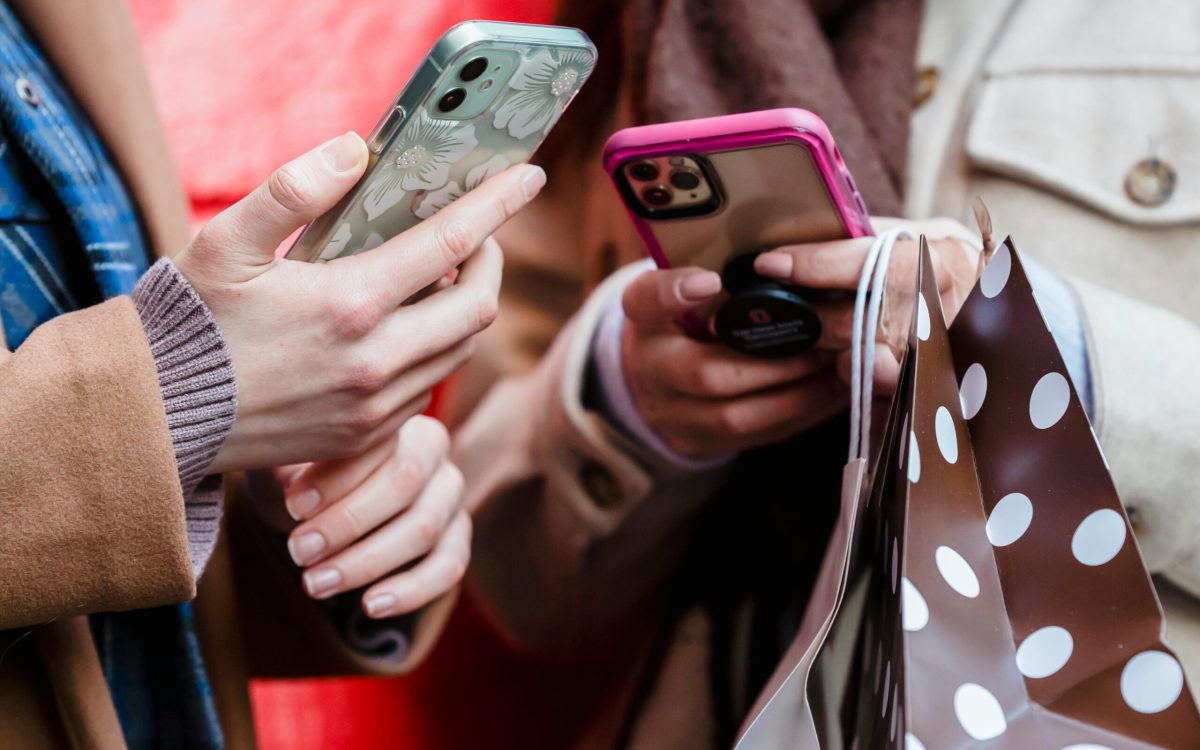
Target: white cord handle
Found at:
x=862, y=368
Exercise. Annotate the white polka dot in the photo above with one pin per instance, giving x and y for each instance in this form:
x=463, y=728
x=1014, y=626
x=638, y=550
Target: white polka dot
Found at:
x=979, y=712
x=914, y=612
x=922, y=318
x=947, y=437
x=914, y=458
x=995, y=276
x=1049, y=400
x=1099, y=537
x=1151, y=682
x=1044, y=652
x=1009, y=520
x=972, y=390
x=957, y=572
x=1087, y=746
x=912, y=743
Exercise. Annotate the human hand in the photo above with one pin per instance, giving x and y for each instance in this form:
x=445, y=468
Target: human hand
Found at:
x=838, y=266
x=329, y=359
x=704, y=399
x=364, y=519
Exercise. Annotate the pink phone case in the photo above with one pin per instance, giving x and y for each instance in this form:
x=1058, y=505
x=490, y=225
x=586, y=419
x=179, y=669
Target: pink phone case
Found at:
x=736, y=133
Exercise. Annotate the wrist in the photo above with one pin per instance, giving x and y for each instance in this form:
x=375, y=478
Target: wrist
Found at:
x=195, y=376
x=195, y=370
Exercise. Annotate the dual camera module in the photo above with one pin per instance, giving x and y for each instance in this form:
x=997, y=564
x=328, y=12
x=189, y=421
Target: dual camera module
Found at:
x=471, y=84
x=671, y=184
x=453, y=99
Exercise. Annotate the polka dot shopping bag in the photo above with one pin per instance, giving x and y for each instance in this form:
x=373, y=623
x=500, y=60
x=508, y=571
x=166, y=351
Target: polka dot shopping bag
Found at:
x=983, y=587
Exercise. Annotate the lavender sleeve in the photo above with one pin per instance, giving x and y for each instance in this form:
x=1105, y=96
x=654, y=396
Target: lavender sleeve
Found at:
x=195, y=375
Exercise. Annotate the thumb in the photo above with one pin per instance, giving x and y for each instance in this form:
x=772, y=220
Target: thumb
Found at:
x=657, y=297
x=249, y=231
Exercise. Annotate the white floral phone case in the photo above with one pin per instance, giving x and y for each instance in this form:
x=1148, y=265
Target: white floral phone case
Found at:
x=505, y=85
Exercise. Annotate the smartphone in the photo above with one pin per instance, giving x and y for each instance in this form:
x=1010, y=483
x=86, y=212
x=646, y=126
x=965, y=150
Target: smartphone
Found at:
x=484, y=99
x=713, y=192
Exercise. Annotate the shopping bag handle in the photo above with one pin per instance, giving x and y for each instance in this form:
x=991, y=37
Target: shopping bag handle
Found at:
x=862, y=363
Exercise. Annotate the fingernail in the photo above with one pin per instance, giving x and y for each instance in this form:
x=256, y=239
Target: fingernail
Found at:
x=379, y=604
x=532, y=181
x=321, y=583
x=302, y=503
x=306, y=547
x=698, y=287
x=343, y=153
x=775, y=265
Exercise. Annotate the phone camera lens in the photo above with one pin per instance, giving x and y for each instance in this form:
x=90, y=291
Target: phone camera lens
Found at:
x=685, y=179
x=644, y=171
x=657, y=195
x=473, y=69
x=451, y=99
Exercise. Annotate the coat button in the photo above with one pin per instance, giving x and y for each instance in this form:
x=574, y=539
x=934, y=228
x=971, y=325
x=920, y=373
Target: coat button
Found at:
x=600, y=484
x=1150, y=182
x=27, y=92
x=927, y=85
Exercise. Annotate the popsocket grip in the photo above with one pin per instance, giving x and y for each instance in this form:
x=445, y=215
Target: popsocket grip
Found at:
x=763, y=317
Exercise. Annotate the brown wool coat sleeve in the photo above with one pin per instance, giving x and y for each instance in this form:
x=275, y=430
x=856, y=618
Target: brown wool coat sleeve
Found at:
x=91, y=511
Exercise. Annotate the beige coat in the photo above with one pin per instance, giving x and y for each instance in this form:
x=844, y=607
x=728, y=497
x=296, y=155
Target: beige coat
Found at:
x=1041, y=108
x=92, y=514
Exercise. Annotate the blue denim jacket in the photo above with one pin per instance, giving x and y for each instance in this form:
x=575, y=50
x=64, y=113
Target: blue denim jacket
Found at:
x=70, y=237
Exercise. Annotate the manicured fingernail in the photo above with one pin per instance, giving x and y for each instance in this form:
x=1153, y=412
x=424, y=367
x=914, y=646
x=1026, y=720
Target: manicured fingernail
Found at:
x=344, y=153
x=306, y=547
x=380, y=604
x=302, y=503
x=698, y=287
x=532, y=181
x=775, y=265
x=322, y=583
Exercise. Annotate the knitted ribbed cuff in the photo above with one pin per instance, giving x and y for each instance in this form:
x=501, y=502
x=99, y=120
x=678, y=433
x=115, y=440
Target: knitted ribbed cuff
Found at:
x=195, y=375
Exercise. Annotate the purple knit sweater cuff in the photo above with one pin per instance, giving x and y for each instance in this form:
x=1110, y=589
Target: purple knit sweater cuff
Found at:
x=195, y=374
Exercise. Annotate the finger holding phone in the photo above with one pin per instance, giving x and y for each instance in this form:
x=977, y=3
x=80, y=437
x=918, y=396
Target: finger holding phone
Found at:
x=328, y=357
x=335, y=361
x=702, y=398
x=731, y=209
x=718, y=359
x=332, y=358
x=837, y=265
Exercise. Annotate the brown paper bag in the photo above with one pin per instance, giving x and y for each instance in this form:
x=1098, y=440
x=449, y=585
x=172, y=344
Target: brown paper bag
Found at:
x=989, y=592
